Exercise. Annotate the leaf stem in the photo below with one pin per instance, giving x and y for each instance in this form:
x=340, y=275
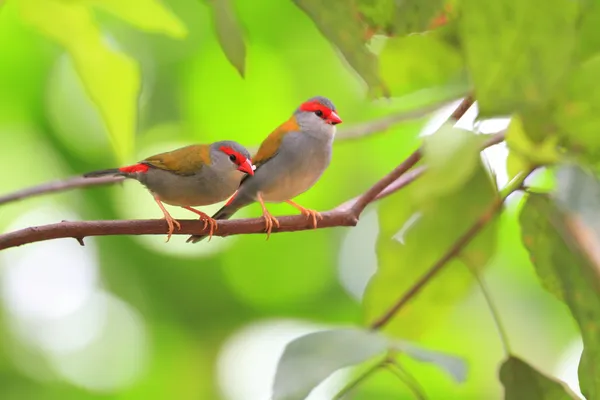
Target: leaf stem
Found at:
x=493, y=311
x=354, y=383
x=410, y=381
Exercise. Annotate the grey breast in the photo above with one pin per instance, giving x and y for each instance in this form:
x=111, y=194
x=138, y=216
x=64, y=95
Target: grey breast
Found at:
x=301, y=161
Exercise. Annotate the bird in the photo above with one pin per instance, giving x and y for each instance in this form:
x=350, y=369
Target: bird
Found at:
x=194, y=175
x=288, y=163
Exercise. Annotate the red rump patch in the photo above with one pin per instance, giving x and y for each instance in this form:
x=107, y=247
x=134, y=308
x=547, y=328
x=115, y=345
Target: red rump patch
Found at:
x=231, y=199
x=132, y=169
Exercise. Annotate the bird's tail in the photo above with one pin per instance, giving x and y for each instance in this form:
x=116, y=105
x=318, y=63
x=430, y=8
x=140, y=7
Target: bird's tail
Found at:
x=103, y=172
x=224, y=213
x=129, y=172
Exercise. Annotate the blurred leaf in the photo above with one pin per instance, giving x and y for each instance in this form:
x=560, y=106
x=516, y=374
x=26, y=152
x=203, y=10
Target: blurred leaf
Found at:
x=398, y=18
x=454, y=366
x=279, y=274
x=229, y=33
x=517, y=51
x=589, y=35
x=577, y=110
x=566, y=272
x=415, y=62
x=310, y=359
x=524, y=152
x=415, y=231
x=523, y=382
x=449, y=146
x=147, y=15
x=111, y=78
x=342, y=27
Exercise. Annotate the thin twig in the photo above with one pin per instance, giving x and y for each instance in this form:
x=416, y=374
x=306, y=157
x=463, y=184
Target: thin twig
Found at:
x=460, y=244
x=354, y=383
x=384, y=123
x=462, y=108
x=410, y=381
x=493, y=310
x=58, y=186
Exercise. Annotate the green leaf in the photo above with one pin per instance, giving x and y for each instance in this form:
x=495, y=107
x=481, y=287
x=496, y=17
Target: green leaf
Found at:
x=416, y=62
x=517, y=51
x=589, y=35
x=555, y=241
x=343, y=28
x=399, y=18
x=577, y=110
x=523, y=382
x=111, y=79
x=147, y=15
x=415, y=232
x=310, y=359
x=449, y=146
x=229, y=33
x=524, y=152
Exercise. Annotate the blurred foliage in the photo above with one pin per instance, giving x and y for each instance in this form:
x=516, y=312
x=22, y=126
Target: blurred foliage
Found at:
x=524, y=382
x=88, y=84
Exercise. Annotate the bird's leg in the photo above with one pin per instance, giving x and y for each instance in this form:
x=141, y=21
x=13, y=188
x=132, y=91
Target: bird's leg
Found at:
x=208, y=220
x=307, y=211
x=269, y=219
x=171, y=222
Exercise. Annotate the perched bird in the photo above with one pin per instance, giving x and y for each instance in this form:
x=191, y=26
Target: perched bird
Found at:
x=289, y=162
x=195, y=175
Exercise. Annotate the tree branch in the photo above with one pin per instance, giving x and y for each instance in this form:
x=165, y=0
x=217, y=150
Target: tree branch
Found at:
x=346, y=214
x=458, y=246
x=58, y=186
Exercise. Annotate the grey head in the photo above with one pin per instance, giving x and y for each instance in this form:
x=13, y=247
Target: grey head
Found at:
x=227, y=155
x=318, y=117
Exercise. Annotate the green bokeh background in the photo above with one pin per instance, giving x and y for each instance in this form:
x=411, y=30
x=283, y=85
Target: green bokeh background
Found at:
x=183, y=303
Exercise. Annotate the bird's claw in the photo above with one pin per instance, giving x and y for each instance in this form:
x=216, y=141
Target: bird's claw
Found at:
x=212, y=223
x=312, y=214
x=269, y=222
x=171, y=223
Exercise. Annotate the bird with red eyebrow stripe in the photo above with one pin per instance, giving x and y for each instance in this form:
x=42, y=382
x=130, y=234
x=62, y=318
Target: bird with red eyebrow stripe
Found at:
x=288, y=163
x=196, y=175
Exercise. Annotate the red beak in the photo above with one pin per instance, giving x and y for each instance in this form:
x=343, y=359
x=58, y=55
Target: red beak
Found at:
x=334, y=119
x=247, y=167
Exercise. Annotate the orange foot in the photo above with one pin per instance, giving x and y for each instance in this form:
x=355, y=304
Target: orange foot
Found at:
x=171, y=222
x=270, y=220
x=308, y=212
x=208, y=221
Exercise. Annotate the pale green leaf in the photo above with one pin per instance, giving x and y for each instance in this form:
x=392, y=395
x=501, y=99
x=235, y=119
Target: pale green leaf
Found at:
x=147, y=15
x=310, y=359
x=449, y=146
x=416, y=62
x=517, y=51
x=414, y=232
x=577, y=110
x=111, y=78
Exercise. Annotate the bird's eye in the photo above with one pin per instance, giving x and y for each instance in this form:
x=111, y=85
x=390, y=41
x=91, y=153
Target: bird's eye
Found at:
x=232, y=157
x=319, y=113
